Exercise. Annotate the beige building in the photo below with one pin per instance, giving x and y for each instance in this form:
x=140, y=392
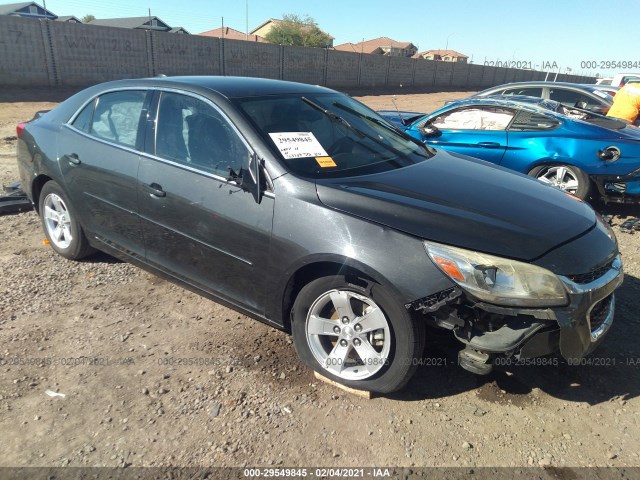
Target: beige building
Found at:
x=233, y=34
x=443, y=55
x=380, y=46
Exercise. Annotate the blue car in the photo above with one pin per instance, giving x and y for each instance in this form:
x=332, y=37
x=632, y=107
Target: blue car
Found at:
x=580, y=152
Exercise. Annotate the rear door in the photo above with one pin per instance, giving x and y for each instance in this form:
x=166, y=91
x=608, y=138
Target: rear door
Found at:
x=478, y=131
x=199, y=226
x=99, y=159
x=534, y=137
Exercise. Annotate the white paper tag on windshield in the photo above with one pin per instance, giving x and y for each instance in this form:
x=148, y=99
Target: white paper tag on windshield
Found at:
x=298, y=144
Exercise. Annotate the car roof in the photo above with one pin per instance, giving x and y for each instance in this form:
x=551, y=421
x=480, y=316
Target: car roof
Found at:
x=545, y=84
x=230, y=87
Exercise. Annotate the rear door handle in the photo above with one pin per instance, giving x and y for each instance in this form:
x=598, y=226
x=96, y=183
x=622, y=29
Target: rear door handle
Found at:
x=73, y=159
x=488, y=144
x=156, y=190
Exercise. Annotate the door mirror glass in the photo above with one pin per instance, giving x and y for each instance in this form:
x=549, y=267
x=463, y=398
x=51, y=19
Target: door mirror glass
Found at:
x=430, y=130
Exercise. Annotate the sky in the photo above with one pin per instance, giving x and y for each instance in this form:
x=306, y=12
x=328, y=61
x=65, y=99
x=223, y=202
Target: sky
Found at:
x=588, y=36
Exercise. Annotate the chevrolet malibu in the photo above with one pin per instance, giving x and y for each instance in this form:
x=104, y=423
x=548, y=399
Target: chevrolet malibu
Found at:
x=304, y=209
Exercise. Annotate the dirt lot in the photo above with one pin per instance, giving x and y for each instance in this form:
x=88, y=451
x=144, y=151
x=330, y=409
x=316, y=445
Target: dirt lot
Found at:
x=108, y=336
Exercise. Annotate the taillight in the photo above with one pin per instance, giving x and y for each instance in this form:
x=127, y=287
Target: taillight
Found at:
x=20, y=128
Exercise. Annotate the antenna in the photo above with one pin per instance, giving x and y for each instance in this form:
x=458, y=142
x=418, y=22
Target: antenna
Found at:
x=393, y=100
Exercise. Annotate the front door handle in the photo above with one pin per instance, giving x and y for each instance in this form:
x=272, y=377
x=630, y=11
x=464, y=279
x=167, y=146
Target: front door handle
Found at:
x=156, y=190
x=73, y=159
x=488, y=144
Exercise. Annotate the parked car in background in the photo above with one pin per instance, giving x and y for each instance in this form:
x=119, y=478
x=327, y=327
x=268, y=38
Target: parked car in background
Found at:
x=588, y=155
x=302, y=208
x=608, y=89
x=588, y=97
x=621, y=79
x=604, y=81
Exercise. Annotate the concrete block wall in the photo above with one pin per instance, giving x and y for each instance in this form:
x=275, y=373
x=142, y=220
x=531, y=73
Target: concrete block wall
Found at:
x=24, y=53
x=306, y=65
x=373, y=71
x=44, y=53
x=343, y=69
x=251, y=59
x=401, y=71
x=175, y=54
x=88, y=54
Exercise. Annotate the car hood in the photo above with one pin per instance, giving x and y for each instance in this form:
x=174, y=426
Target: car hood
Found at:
x=464, y=202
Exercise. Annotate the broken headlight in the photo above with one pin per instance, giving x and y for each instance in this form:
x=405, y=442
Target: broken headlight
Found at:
x=498, y=280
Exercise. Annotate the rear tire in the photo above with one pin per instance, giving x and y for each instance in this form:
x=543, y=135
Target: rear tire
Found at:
x=566, y=177
x=358, y=336
x=60, y=223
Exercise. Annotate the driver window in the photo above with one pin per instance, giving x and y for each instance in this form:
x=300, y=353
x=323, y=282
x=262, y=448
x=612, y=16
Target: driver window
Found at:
x=193, y=133
x=475, y=118
x=570, y=98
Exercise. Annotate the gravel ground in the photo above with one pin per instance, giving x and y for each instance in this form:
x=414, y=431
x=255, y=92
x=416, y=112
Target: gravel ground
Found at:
x=110, y=337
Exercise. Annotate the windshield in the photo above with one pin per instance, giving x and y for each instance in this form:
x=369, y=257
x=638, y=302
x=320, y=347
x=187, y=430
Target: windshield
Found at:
x=330, y=135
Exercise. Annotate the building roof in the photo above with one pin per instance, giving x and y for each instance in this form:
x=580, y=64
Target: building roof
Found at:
x=278, y=21
x=10, y=8
x=130, y=22
x=66, y=18
x=179, y=30
x=232, y=33
x=371, y=46
x=444, y=53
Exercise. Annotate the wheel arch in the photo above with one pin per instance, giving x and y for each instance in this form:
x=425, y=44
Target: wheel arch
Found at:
x=36, y=188
x=309, y=269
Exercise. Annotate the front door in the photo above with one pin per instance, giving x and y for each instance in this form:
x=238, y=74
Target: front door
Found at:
x=199, y=226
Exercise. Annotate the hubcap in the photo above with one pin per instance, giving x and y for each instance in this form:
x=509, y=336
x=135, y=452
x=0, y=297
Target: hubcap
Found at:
x=348, y=334
x=57, y=221
x=562, y=177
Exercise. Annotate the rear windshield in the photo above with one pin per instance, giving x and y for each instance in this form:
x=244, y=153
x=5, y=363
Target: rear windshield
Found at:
x=330, y=135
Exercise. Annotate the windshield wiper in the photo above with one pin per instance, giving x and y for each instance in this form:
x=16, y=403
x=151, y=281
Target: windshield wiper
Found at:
x=359, y=132
x=383, y=124
x=333, y=116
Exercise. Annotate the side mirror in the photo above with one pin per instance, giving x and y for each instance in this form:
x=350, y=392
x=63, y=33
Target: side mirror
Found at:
x=430, y=130
x=248, y=179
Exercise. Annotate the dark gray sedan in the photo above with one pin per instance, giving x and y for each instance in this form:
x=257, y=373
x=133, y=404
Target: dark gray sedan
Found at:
x=588, y=97
x=304, y=209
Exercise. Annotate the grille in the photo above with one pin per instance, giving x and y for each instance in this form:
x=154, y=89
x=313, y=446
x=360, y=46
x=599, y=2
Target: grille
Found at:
x=599, y=313
x=594, y=274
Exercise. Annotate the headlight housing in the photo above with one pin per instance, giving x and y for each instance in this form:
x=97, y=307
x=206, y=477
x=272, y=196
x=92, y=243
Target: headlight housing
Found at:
x=498, y=280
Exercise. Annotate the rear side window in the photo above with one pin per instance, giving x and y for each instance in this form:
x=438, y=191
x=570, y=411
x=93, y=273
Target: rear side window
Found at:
x=117, y=117
x=527, y=121
x=83, y=120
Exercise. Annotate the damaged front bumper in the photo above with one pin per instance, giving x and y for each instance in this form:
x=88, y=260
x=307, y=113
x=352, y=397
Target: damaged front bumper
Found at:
x=618, y=188
x=491, y=331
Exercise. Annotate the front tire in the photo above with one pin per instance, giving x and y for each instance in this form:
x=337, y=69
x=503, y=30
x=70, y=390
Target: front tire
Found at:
x=358, y=336
x=566, y=177
x=60, y=223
